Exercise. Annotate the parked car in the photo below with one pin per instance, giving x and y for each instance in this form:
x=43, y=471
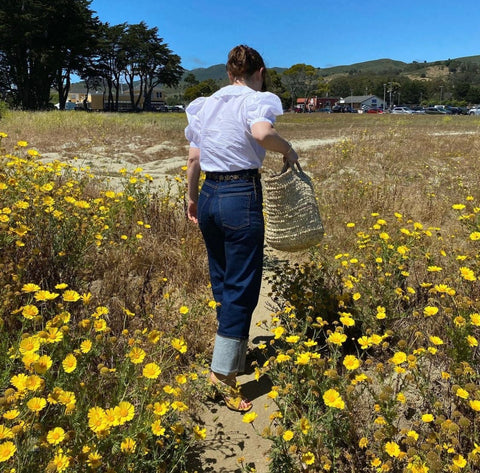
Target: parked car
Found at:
x=474, y=110
x=343, y=109
x=404, y=110
x=418, y=109
x=373, y=110
x=435, y=111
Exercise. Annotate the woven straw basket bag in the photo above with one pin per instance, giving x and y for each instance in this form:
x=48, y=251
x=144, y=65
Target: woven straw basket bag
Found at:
x=293, y=221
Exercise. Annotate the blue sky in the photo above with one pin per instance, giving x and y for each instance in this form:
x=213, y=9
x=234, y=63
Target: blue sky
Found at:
x=322, y=33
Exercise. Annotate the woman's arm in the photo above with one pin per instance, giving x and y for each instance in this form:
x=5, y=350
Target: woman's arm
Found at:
x=193, y=176
x=268, y=138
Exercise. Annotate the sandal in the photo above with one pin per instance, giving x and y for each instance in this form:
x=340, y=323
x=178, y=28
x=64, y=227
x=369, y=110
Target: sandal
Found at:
x=231, y=396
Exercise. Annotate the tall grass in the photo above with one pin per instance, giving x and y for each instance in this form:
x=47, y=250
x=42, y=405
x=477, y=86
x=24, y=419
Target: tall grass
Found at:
x=374, y=334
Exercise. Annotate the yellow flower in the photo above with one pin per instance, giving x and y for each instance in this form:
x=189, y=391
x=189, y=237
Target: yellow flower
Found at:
x=30, y=287
x=475, y=405
x=347, y=321
x=462, y=393
x=401, y=398
x=11, y=414
x=337, y=338
x=22, y=143
x=29, y=311
x=124, y=412
x=332, y=398
x=97, y=419
x=43, y=364
x=179, y=345
x=55, y=436
x=59, y=463
x=249, y=417
x=86, y=346
x=467, y=274
x=475, y=319
x=157, y=428
x=292, y=339
x=475, y=236
x=137, y=355
x=45, y=295
x=6, y=433
x=36, y=404
x=20, y=382
x=304, y=358
x=363, y=442
x=183, y=310
x=151, y=371
x=381, y=313
x=94, y=460
x=392, y=449
x=351, y=362
x=29, y=344
x=288, y=435
x=199, y=433
x=128, y=445
x=71, y=296
x=281, y=357
x=100, y=325
x=459, y=461
x=436, y=340
x=399, y=358
x=34, y=382
x=427, y=418
x=278, y=332
x=412, y=434
x=69, y=363
x=429, y=311
x=7, y=450
x=308, y=458
x=160, y=408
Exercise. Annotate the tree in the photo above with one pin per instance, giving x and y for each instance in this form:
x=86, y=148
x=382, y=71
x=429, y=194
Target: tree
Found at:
x=301, y=80
x=202, y=89
x=41, y=42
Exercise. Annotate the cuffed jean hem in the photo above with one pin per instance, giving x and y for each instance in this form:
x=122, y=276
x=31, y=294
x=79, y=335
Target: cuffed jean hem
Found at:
x=229, y=355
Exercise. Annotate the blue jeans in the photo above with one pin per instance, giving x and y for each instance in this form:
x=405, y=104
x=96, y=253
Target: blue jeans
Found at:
x=230, y=217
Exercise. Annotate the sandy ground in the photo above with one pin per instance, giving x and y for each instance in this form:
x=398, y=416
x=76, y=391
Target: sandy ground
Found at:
x=103, y=162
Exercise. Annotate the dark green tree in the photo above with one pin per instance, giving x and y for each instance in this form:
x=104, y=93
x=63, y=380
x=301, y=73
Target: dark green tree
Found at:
x=301, y=80
x=202, y=89
x=41, y=43
x=148, y=63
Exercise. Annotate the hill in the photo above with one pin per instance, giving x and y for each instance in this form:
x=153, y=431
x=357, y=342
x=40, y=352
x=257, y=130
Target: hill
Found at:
x=378, y=66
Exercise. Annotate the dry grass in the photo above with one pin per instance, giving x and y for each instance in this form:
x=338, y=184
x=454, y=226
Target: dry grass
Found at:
x=417, y=165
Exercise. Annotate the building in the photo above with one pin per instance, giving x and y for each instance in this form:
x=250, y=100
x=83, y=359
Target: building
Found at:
x=98, y=101
x=314, y=104
x=362, y=102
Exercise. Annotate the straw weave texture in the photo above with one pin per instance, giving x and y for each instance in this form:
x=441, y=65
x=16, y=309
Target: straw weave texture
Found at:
x=293, y=221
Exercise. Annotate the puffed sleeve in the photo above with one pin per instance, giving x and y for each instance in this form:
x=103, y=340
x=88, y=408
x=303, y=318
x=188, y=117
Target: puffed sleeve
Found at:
x=192, y=131
x=263, y=106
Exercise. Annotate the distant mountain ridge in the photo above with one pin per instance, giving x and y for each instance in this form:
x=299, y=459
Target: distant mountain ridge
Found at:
x=377, y=66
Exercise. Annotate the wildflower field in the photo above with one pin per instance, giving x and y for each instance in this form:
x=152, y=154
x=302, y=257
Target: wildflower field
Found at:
x=107, y=317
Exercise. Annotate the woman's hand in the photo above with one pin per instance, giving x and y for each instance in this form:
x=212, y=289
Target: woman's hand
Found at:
x=291, y=157
x=192, y=211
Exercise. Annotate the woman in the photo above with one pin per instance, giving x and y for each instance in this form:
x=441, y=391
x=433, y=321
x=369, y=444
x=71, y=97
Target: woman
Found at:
x=228, y=134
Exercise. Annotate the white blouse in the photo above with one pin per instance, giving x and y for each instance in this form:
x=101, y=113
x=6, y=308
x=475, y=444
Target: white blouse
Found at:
x=220, y=125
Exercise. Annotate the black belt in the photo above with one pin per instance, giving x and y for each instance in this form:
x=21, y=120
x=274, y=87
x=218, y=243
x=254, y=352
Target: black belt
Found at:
x=243, y=175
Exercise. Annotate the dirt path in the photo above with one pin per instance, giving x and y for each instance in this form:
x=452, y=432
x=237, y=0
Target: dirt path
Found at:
x=228, y=437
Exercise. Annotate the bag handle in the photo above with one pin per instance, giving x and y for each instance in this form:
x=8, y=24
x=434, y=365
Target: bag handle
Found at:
x=287, y=165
